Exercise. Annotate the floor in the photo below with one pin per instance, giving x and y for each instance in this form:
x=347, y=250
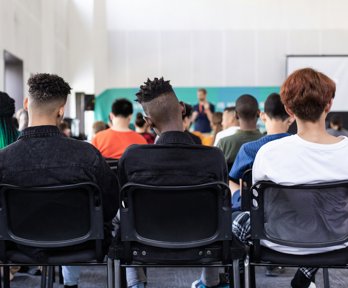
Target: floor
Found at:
x=95, y=277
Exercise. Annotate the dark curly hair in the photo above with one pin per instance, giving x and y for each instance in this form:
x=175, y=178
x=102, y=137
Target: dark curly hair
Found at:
x=44, y=88
x=152, y=89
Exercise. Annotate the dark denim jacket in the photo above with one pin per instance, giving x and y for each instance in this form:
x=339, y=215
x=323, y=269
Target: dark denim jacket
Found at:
x=42, y=156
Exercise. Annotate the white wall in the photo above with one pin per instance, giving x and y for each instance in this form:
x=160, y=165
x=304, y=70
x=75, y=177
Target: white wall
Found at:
x=218, y=43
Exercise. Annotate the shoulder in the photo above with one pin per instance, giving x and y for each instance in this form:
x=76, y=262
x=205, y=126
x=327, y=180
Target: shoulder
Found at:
x=276, y=146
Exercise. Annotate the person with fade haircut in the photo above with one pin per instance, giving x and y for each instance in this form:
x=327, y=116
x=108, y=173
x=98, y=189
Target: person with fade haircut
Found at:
x=114, y=141
x=174, y=159
x=43, y=156
x=247, y=113
x=230, y=124
x=311, y=156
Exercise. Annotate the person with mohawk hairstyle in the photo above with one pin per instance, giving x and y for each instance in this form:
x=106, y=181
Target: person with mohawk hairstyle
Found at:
x=174, y=159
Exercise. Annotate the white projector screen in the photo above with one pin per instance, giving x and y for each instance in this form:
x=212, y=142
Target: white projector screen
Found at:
x=336, y=67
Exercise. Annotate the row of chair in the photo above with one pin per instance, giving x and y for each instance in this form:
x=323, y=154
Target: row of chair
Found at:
x=186, y=226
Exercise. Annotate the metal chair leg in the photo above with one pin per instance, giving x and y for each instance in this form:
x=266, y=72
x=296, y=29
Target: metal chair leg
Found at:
x=43, y=276
x=50, y=277
x=6, y=276
x=236, y=274
x=246, y=272
x=326, y=278
x=252, y=277
x=117, y=273
x=110, y=271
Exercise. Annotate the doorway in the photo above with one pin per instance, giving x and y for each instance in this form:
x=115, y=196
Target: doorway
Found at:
x=14, y=79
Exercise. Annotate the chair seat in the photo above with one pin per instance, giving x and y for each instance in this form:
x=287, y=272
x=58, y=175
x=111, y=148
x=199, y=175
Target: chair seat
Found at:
x=70, y=257
x=337, y=258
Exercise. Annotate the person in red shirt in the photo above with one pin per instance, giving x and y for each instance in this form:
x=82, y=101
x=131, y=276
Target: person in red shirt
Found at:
x=114, y=141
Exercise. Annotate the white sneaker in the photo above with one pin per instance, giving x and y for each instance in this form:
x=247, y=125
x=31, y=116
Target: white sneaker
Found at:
x=312, y=285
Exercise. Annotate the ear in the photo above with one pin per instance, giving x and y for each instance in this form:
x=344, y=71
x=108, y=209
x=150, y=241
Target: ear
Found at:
x=61, y=112
x=263, y=117
x=111, y=116
x=149, y=122
x=26, y=103
x=328, y=106
x=288, y=110
x=237, y=116
x=182, y=107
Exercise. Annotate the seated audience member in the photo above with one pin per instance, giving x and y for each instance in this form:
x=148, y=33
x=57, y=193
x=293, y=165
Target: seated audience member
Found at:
x=187, y=122
x=143, y=128
x=230, y=124
x=22, y=118
x=64, y=128
x=216, y=127
x=8, y=131
x=336, y=126
x=164, y=114
x=69, y=162
x=114, y=141
x=247, y=112
x=277, y=123
x=98, y=126
x=310, y=156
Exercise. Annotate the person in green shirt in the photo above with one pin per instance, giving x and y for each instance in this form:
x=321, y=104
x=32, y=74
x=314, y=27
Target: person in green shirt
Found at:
x=247, y=112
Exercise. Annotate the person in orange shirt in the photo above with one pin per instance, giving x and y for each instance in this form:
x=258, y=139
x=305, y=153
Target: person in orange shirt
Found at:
x=114, y=141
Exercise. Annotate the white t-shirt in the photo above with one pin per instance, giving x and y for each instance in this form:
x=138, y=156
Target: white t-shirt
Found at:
x=293, y=160
x=225, y=133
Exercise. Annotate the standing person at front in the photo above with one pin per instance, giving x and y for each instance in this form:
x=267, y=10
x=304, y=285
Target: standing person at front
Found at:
x=203, y=112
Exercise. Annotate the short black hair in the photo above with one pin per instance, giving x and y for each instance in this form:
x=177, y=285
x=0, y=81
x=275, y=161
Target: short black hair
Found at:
x=188, y=111
x=230, y=109
x=247, y=107
x=152, y=89
x=203, y=90
x=122, y=107
x=274, y=107
x=336, y=120
x=45, y=88
x=139, y=120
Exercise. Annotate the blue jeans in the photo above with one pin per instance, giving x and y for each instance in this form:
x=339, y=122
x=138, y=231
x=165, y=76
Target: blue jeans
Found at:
x=71, y=275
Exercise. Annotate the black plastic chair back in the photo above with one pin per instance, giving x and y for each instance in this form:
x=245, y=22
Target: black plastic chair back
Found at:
x=247, y=182
x=303, y=216
x=176, y=217
x=113, y=164
x=51, y=217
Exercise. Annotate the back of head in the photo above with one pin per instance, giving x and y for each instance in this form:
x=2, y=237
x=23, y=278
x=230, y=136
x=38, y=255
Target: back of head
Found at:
x=47, y=93
x=122, y=108
x=8, y=132
x=160, y=104
x=188, y=111
x=274, y=107
x=336, y=120
x=139, y=120
x=99, y=126
x=306, y=92
x=247, y=107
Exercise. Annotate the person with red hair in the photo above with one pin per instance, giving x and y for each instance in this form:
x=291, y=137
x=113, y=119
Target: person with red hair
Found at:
x=311, y=156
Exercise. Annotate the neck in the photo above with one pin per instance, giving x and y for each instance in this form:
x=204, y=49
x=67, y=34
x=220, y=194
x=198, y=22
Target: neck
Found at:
x=120, y=124
x=315, y=131
x=140, y=129
x=277, y=127
x=171, y=127
x=41, y=120
x=247, y=125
